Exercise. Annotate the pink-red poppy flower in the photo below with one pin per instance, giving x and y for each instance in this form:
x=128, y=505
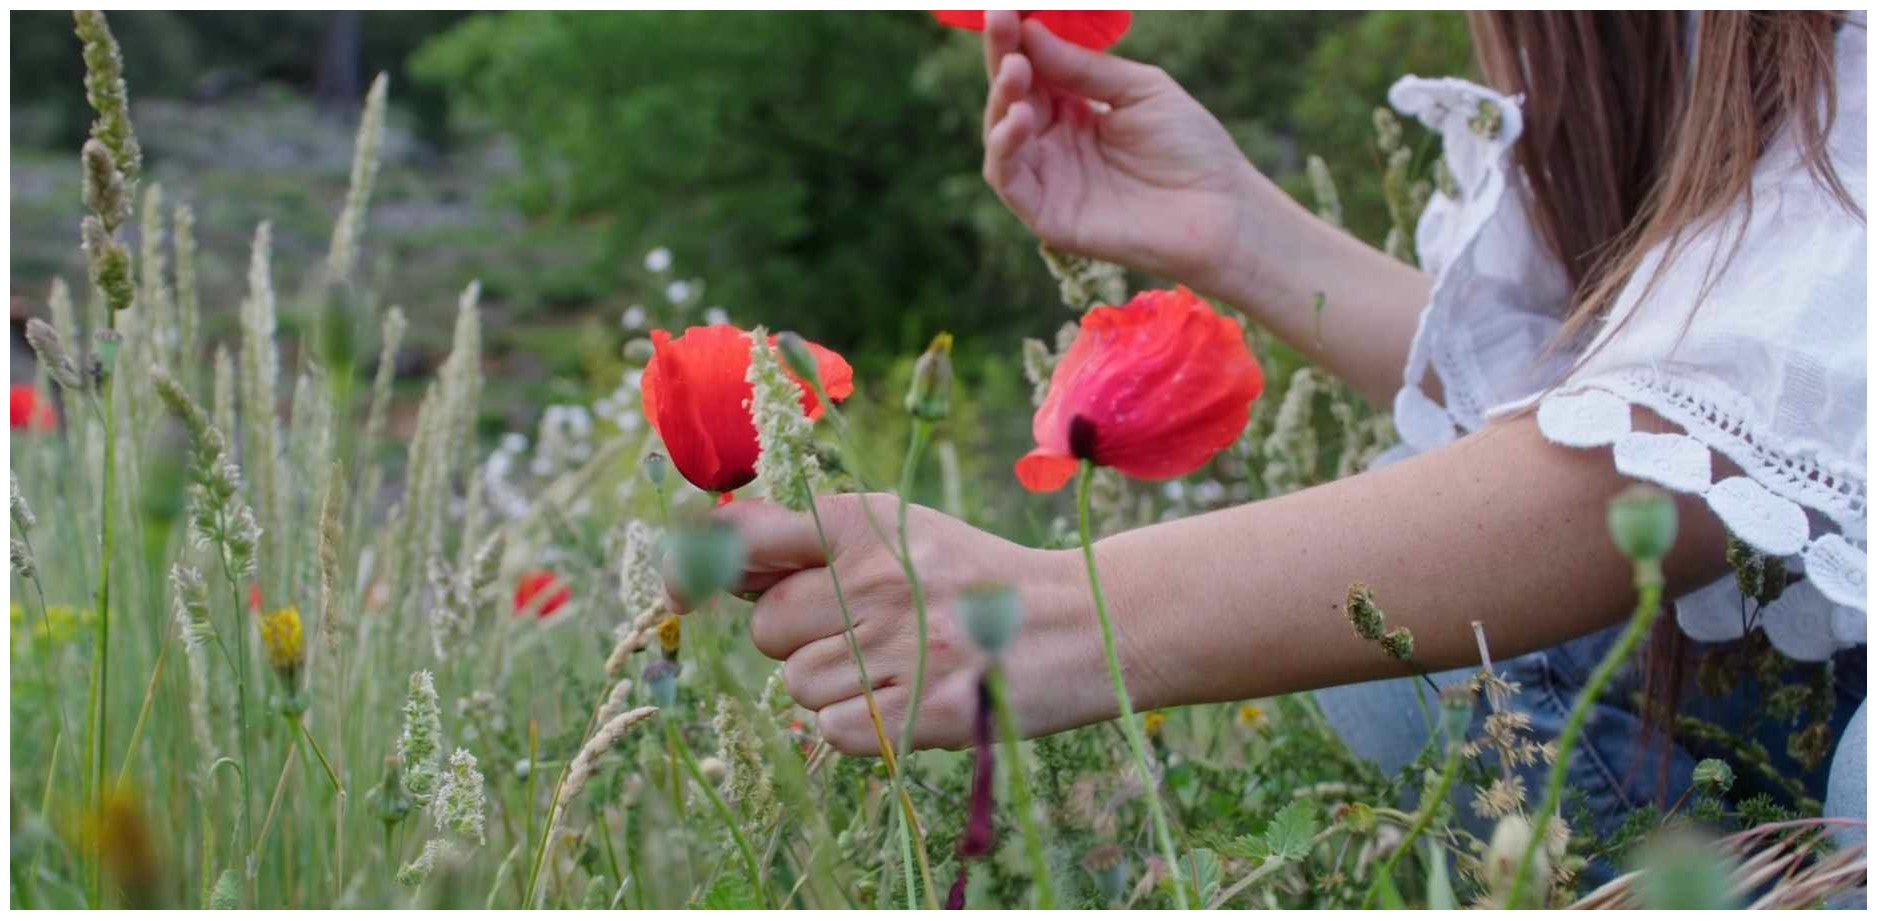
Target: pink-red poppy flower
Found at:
x=1092, y=29
x=541, y=592
x=698, y=400
x=32, y=411
x=1154, y=388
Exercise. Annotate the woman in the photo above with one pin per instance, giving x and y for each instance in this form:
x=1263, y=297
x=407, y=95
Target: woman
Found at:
x=1650, y=265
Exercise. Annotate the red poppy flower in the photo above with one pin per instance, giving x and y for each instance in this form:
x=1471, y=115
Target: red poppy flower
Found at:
x=254, y=597
x=1092, y=29
x=31, y=411
x=698, y=400
x=1154, y=389
x=542, y=592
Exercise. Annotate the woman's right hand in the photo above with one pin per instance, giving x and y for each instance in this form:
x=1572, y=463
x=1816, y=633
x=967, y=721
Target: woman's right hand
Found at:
x=1110, y=158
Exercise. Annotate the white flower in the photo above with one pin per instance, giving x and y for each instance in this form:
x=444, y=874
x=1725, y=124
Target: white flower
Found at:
x=659, y=259
x=716, y=316
x=634, y=317
x=678, y=292
x=514, y=442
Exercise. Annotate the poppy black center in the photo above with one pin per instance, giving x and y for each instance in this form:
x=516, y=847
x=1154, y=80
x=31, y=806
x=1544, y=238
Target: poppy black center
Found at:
x=1082, y=437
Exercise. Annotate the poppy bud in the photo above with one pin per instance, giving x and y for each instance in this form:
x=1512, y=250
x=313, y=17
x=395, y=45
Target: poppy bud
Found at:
x=930, y=396
x=1643, y=523
x=1108, y=864
x=655, y=466
x=991, y=615
x=796, y=354
x=706, y=558
x=638, y=352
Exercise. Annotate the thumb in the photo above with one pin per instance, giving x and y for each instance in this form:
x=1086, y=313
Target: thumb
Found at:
x=1074, y=69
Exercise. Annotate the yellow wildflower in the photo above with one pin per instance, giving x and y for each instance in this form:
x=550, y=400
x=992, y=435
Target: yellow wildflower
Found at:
x=281, y=638
x=1152, y=723
x=669, y=633
x=1252, y=717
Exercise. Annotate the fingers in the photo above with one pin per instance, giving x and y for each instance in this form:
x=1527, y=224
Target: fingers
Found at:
x=1005, y=169
x=822, y=673
x=1072, y=68
x=796, y=611
x=1001, y=38
x=777, y=542
x=944, y=717
x=1010, y=84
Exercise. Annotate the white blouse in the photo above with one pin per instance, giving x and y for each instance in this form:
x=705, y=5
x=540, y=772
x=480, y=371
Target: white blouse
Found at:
x=1769, y=372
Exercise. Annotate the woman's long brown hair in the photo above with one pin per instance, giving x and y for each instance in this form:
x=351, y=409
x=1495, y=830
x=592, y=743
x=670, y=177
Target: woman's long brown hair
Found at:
x=1640, y=126
x=1643, y=126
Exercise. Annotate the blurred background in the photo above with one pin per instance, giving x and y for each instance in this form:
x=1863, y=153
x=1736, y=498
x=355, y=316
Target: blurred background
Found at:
x=805, y=170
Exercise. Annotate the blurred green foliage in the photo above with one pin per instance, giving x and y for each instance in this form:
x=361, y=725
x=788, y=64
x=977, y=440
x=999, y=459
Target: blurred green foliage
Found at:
x=172, y=54
x=821, y=169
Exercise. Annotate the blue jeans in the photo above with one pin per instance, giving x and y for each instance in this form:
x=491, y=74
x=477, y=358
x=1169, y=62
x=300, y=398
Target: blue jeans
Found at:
x=1613, y=771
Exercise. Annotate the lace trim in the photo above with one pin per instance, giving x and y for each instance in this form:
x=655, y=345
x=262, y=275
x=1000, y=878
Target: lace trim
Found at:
x=1436, y=103
x=1766, y=508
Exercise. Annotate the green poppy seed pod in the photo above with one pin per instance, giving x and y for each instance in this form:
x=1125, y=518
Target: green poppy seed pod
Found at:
x=637, y=352
x=706, y=559
x=656, y=466
x=1643, y=523
x=930, y=396
x=796, y=354
x=991, y=615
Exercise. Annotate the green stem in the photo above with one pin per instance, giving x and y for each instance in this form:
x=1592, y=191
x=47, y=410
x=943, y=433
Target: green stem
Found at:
x=1431, y=805
x=916, y=446
x=1136, y=745
x=1015, y=769
x=54, y=686
x=101, y=662
x=723, y=811
x=1649, y=582
x=241, y=708
x=908, y=824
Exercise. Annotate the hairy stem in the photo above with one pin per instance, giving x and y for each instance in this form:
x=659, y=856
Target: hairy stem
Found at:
x=1649, y=581
x=916, y=446
x=1136, y=744
x=909, y=830
x=1020, y=788
x=723, y=811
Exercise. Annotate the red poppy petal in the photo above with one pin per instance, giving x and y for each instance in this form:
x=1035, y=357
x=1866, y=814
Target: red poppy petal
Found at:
x=1092, y=29
x=1041, y=471
x=961, y=19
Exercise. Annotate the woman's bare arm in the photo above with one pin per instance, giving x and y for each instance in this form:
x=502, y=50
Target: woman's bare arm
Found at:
x=1501, y=527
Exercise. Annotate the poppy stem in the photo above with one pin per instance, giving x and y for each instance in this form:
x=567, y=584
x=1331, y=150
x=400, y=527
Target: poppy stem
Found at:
x=1130, y=728
x=909, y=830
x=1649, y=581
x=1016, y=771
x=916, y=447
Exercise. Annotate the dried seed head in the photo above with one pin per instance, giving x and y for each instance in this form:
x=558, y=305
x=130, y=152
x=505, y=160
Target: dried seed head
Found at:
x=787, y=465
x=49, y=347
x=22, y=513
x=1399, y=643
x=1359, y=605
x=459, y=805
x=422, y=740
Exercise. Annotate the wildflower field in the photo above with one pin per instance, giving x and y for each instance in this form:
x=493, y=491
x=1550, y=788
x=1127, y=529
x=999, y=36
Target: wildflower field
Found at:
x=296, y=627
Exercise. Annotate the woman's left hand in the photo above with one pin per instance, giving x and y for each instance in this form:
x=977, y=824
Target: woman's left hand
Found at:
x=1054, y=666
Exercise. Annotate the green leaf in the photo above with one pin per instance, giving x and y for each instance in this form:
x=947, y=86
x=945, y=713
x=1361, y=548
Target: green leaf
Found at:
x=730, y=892
x=1204, y=865
x=1289, y=835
